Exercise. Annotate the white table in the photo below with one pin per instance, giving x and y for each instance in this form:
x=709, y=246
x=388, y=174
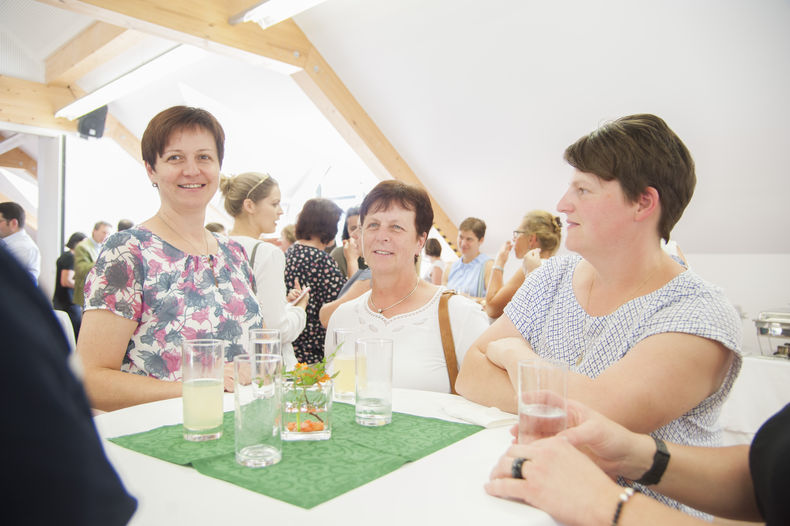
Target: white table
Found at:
x=761, y=389
x=445, y=487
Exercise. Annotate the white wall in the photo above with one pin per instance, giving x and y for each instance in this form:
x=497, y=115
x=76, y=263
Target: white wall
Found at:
x=754, y=282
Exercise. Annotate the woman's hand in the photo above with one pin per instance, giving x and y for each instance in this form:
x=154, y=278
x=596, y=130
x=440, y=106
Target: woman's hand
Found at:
x=503, y=254
x=227, y=377
x=531, y=261
x=558, y=479
x=350, y=249
x=615, y=449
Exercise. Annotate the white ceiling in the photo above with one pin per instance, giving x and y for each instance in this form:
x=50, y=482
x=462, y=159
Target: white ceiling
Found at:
x=481, y=98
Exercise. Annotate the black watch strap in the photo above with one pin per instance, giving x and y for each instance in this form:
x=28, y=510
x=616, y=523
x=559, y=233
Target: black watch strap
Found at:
x=660, y=461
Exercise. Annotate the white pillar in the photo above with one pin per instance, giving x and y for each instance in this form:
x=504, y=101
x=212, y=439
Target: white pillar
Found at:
x=50, y=208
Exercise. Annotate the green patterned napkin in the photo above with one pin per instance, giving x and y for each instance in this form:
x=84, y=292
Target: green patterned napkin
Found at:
x=355, y=455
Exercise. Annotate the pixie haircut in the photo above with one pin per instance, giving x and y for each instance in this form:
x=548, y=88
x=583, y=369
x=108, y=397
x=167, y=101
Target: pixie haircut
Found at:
x=640, y=151
x=250, y=185
x=433, y=248
x=391, y=192
x=474, y=225
x=173, y=120
x=319, y=217
x=75, y=239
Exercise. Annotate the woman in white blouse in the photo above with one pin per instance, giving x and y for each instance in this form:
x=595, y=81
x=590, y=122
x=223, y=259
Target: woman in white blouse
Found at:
x=253, y=199
x=401, y=306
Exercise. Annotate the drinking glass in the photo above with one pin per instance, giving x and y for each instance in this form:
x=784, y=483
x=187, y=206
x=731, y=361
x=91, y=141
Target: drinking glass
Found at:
x=373, y=382
x=258, y=397
x=344, y=364
x=202, y=367
x=542, y=395
x=264, y=341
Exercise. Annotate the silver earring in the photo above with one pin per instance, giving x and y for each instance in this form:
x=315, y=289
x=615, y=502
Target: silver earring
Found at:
x=155, y=185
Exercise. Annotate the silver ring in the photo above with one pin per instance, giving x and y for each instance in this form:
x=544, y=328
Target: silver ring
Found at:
x=515, y=468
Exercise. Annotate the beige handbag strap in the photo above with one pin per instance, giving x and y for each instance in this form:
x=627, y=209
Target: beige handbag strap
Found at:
x=447, y=338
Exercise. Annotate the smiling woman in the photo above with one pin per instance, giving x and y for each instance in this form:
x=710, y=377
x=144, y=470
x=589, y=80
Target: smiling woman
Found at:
x=395, y=221
x=168, y=279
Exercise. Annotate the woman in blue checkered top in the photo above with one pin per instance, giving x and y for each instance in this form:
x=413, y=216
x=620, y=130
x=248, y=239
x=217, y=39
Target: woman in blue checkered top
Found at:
x=649, y=343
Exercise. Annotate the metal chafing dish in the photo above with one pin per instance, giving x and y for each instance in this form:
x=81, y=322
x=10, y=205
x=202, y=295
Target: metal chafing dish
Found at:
x=773, y=333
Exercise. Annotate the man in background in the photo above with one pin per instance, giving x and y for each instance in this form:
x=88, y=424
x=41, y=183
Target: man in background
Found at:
x=85, y=257
x=16, y=240
x=124, y=224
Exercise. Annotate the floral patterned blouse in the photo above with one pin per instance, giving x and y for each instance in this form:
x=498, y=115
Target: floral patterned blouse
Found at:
x=316, y=269
x=173, y=296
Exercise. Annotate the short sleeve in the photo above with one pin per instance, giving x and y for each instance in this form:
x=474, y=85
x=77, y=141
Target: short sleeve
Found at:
x=115, y=283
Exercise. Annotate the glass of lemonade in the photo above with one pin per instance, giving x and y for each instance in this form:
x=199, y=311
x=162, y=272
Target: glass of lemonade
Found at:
x=202, y=367
x=542, y=395
x=343, y=364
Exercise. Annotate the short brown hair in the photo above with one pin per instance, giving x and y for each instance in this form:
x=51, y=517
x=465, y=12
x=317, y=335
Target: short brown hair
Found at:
x=319, y=217
x=171, y=120
x=474, y=225
x=413, y=198
x=433, y=248
x=640, y=151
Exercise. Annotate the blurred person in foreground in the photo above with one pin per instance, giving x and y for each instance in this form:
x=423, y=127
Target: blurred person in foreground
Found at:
x=537, y=239
x=253, y=199
x=649, y=344
x=54, y=467
x=168, y=279
x=570, y=475
x=395, y=219
x=63, y=297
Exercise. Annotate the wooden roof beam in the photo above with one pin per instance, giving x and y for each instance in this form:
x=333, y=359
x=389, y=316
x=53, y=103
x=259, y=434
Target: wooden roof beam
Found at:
x=97, y=44
x=205, y=23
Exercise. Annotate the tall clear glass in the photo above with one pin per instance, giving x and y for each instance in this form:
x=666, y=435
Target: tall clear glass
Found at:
x=542, y=399
x=258, y=397
x=202, y=367
x=264, y=341
x=373, y=406
x=344, y=364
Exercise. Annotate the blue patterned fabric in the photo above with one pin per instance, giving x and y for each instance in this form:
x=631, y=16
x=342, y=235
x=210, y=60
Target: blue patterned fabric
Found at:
x=547, y=314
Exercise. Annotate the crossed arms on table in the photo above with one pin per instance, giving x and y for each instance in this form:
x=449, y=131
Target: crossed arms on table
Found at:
x=658, y=380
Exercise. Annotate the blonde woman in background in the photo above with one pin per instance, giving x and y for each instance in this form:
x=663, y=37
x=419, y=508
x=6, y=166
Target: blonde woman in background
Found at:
x=537, y=238
x=287, y=237
x=253, y=199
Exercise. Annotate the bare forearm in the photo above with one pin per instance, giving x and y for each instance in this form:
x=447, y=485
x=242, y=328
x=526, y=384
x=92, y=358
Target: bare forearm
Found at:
x=483, y=382
x=714, y=480
x=109, y=390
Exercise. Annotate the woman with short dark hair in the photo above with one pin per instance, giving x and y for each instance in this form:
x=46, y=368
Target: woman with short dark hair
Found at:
x=168, y=279
x=649, y=344
x=396, y=218
x=308, y=265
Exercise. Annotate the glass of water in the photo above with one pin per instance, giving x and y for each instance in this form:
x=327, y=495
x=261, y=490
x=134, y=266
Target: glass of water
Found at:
x=258, y=399
x=542, y=395
x=373, y=405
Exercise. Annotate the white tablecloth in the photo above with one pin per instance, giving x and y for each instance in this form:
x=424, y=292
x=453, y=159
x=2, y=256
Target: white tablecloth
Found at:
x=761, y=389
x=443, y=488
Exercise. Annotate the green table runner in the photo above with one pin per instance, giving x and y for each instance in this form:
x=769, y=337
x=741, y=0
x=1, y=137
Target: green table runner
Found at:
x=311, y=472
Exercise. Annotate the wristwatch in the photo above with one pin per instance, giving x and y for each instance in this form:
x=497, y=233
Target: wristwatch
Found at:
x=660, y=461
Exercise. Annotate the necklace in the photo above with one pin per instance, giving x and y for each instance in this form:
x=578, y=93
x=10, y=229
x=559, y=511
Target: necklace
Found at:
x=197, y=248
x=587, y=309
x=404, y=298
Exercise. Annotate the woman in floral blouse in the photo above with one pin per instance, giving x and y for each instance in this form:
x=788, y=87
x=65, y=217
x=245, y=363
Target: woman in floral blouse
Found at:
x=307, y=264
x=168, y=279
